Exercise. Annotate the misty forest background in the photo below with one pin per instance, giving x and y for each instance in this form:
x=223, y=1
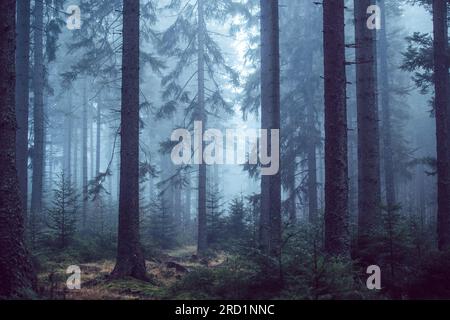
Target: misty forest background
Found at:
x=86, y=175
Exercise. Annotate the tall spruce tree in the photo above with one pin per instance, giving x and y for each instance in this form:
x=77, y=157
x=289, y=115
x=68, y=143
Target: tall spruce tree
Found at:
x=189, y=40
x=301, y=85
x=369, y=190
x=23, y=95
x=337, y=232
x=427, y=57
x=38, y=118
x=17, y=276
x=442, y=111
x=62, y=216
x=130, y=259
x=270, y=221
x=388, y=163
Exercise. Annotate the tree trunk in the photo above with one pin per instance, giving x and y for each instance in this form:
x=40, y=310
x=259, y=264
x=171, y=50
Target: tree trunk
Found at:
x=292, y=210
x=49, y=167
x=388, y=161
x=369, y=200
x=130, y=259
x=352, y=166
x=151, y=187
x=311, y=117
x=337, y=234
x=38, y=118
x=91, y=145
x=312, y=182
x=98, y=146
x=177, y=207
x=84, y=155
x=270, y=223
x=441, y=81
x=187, y=209
x=321, y=176
x=23, y=96
x=216, y=175
x=98, y=206
x=17, y=279
x=75, y=154
x=167, y=173
x=202, y=245
x=68, y=137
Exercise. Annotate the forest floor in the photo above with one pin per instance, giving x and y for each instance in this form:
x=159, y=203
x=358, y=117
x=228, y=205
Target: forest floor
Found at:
x=165, y=271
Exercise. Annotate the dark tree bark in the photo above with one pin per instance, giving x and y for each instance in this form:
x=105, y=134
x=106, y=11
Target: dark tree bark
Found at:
x=130, y=259
x=23, y=96
x=337, y=233
x=309, y=93
x=38, y=117
x=442, y=110
x=388, y=162
x=202, y=245
x=17, y=279
x=369, y=199
x=270, y=222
